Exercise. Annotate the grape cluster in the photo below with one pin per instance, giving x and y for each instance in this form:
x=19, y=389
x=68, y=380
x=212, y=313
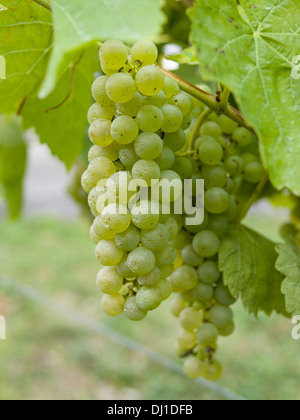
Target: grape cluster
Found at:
x=142, y=127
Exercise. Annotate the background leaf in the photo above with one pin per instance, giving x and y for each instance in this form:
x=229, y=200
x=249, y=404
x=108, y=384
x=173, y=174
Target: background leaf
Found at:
x=13, y=155
x=63, y=129
x=77, y=23
x=250, y=49
x=248, y=263
x=26, y=34
x=288, y=264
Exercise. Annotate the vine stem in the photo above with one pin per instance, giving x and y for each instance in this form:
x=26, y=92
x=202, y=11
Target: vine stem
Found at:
x=197, y=127
x=211, y=101
x=254, y=197
x=44, y=3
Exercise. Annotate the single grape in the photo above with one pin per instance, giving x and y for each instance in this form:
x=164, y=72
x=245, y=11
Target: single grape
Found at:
x=183, y=167
x=97, y=112
x=211, y=129
x=213, y=371
x=146, y=170
x=203, y=292
x=158, y=100
x=171, y=88
x=109, y=281
x=129, y=240
x=207, y=335
x=124, y=130
x=230, y=186
x=132, y=311
x=120, y=88
x=228, y=126
x=145, y=52
x=209, y=272
x=183, y=239
x=113, y=54
x=187, y=122
x=165, y=256
x=227, y=331
x=101, y=231
x=132, y=107
x=177, y=305
x=214, y=176
x=98, y=169
x=117, y=188
x=166, y=270
x=156, y=238
x=216, y=201
x=223, y=295
x=175, y=141
x=165, y=288
x=128, y=157
x=186, y=339
x=206, y=244
x=184, y=103
x=218, y=224
x=203, y=139
x=190, y=257
x=242, y=136
x=148, y=146
x=141, y=261
x=94, y=237
x=99, y=91
x=150, y=118
x=113, y=305
x=234, y=165
x=254, y=172
x=124, y=271
x=145, y=215
x=172, y=227
x=173, y=118
x=185, y=278
x=220, y=316
x=116, y=217
x=210, y=152
x=194, y=368
x=152, y=279
x=99, y=132
x=233, y=209
x=190, y=319
x=110, y=152
x=166, y=159
x=148, y=299
x=149, y=80
x=249, y=158
x=108, y=253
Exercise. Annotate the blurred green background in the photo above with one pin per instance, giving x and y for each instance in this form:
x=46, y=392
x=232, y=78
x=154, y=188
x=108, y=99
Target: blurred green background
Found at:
x=48, y=356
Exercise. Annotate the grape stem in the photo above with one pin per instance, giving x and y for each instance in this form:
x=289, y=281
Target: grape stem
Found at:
x=211, y=101
x=253, y=198
x=44, y=3
x=197, y=127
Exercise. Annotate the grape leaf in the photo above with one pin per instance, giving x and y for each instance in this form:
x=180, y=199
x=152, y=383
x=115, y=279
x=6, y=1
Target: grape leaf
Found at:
x=288, y=264
x=248, y=263
x=77, y=22
x=27, y=30
x=250, y=48
x=13, y=156
x=60, y=119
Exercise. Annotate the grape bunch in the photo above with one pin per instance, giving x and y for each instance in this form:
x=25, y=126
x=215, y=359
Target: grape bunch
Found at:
x=142, y=127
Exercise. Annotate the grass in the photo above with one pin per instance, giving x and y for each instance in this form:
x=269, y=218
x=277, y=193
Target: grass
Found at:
x=49, y=357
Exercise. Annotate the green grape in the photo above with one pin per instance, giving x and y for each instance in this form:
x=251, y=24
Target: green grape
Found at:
x=94, y=237
x=213, y=371
x=199, y=228
x=211, y=129
x=249, y=158
x=177, y=306
x=182, y=239
x=190, y=257
x=166, y=159
x=124, y=270
x=206, y=244
x=187, y=122
x=145, y=215
x=220, y=316
x=179, y=351
x=227, y=331
x=230, y=186
x=234, y=165
x=175, y=141
x=108, y=253
x=242, y=136
x=228, y=126
x=117, y=188
x=124, y=130
x=99, y=133
x=106, y=70
x=113, y=305
x=172, y=227
x=194, y=368
x=173, y=118
x=132, y=311
x=129, y=240
x=99, y=91
x=148, y=146
x=165, y=256
x=233, y=209
x=158, y=100
x=184, y=103
x=132, y=107
x=187, y=339
x=97, y=112
x=216, y=201
x=149, y=80
x=223, y=295
x=205, y=88
x=109, y=281
x=141, y=261
x=218, y=224
x=185, y=278
x=214, y=176
x=207, y=335
x=113, y=54
x=128, y=157
x=99, y=168
x=148, y=299
x=165, y=288
x=102, y=202
x=101, y=230
x=183, y=167
x=116, y=218
x=223, y=142
x=171, y=88
x=166, y=270
x=203, y=139
x=156, y=238
x=150, y=118
x=145, y=52
x=203, y=292
x=146, y=170
x=190, y=319
x=210, y=152
x=93, y=198
x=209, y=272
x=254, y=172
x=152, y=279
x=110, y=152
x=120, y=88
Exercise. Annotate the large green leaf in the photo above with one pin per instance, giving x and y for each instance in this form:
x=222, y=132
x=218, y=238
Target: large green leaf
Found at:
x=63, y=128
x=13, y=154
x=250, y=48
x=26, y=42
x=288, y=264
x=77, y=22
x=248, y=263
